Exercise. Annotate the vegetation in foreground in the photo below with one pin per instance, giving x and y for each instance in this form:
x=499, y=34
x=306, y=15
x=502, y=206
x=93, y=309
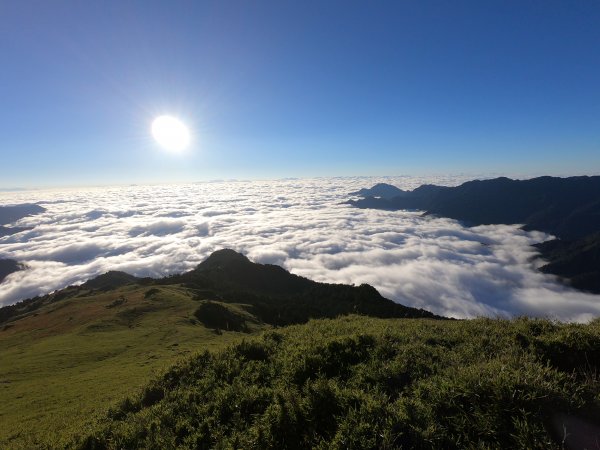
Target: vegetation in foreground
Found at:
x=393, y=377
x=358, y=382
x=81, y=351
x=69, y=355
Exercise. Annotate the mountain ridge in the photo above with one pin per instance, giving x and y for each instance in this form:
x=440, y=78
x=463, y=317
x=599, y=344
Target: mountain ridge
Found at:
x=568, y=208
x=578, y=261
x=383, y=190
x=236, y=376
x=273, y=294
x=12, y=213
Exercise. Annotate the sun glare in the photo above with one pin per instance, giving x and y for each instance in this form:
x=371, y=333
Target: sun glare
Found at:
x=170, y=133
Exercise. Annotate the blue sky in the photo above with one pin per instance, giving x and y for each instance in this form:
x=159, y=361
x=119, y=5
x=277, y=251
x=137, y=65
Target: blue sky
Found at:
x=312, y=88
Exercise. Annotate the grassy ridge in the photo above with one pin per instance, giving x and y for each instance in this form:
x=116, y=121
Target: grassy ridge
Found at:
x=400, y=378
x=358, y=382
x=73, y=358
x=68, y=355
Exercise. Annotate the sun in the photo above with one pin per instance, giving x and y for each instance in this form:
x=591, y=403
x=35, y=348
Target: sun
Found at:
x=170, y=133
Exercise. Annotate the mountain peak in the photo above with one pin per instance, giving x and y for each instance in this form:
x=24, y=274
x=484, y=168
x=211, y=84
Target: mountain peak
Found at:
x=9, y=214
x=110, y=280
x=223, y=257
x=382, y=190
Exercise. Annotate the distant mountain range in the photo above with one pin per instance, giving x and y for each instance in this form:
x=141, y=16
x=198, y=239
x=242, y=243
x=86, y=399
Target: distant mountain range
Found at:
x=381, y=190
x=568, y=208
x=270, y=294
x=9, y=214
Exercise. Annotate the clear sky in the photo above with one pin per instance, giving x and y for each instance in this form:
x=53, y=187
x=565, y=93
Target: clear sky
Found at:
x=306, y=88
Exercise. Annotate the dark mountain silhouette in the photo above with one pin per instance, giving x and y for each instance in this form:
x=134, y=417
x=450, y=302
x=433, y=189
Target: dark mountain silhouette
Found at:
x=577, y=260
x=568, y=208
x=280, y=298
x=110, y=280
x=9, y=214
x=7, y=231
x=269, y=293
x=228, y=270
x=8, y=266
x=382, y=190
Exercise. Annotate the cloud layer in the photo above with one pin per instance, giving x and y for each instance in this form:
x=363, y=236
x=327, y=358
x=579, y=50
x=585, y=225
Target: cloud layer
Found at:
x=302, y=225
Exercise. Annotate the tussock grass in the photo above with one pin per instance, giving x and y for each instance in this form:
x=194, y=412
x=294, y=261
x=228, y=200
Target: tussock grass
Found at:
x=358, y=382
x=71, y=360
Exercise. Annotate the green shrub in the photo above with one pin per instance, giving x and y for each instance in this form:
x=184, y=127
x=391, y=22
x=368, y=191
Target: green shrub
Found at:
x=356, y=382
x=219, y=316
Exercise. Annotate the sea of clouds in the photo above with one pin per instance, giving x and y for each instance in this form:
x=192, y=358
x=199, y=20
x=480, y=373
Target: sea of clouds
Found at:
x=302, y=225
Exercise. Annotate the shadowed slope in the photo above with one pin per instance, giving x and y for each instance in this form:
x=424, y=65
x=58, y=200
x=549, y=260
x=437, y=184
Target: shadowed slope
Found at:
x=382, y=190
x=269, y=292
x=278, y=297
x=578, y=260
x=228, y=270
x=110, y=280
x=8, y=266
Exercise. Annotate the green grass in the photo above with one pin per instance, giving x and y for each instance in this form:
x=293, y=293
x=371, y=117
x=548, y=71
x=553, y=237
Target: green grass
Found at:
x=358, y=382
x=72, y=359
x=154, y=366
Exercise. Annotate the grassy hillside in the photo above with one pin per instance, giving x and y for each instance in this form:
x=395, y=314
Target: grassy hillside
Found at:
x=71, y=354
x=280, y=298
x=272, y=294
x=358, y=382
x=201, y=360
x=74, y=357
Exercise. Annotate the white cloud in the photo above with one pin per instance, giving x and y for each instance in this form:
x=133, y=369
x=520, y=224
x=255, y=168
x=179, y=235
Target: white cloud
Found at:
x=302, y=225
